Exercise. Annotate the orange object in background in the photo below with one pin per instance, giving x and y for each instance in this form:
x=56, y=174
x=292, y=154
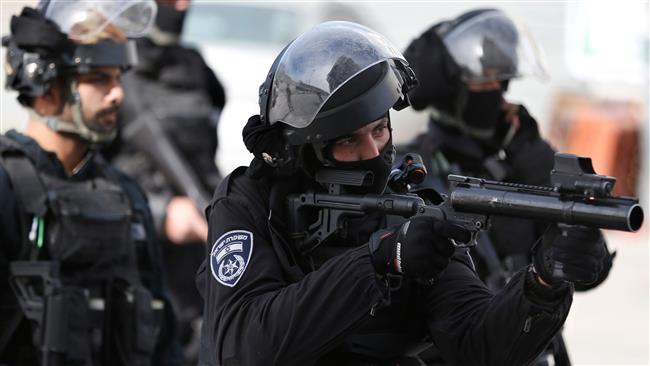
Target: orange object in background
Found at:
x=606, y=131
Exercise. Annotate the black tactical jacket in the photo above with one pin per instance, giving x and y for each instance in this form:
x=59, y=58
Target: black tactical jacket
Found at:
x=264, y=306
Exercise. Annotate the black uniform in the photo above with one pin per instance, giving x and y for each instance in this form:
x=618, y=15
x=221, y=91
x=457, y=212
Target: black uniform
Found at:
x=272, y=306
x=174, y=87
x=473, y=133
x=97, y=225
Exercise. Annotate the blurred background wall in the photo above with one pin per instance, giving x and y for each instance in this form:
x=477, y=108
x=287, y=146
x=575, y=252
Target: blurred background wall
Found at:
x=595, y=104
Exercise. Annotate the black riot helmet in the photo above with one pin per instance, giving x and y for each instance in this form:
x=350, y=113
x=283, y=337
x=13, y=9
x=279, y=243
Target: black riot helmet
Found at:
x=64, y=38
x=478, y=46
x=329, y=82
x=489, y=45
x=332, y=80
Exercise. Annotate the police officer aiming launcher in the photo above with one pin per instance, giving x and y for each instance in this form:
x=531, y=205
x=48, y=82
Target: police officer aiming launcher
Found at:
x=379, y=290
x=81, y=269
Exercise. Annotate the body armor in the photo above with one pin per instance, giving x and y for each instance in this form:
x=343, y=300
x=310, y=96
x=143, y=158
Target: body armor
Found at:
x=79, y=262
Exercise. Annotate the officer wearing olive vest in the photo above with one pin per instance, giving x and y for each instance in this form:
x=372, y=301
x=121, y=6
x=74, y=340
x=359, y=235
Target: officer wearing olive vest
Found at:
x=81, y=270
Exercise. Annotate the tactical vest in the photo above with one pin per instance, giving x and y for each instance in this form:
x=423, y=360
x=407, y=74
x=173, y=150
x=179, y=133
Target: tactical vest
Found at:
x=79, y=256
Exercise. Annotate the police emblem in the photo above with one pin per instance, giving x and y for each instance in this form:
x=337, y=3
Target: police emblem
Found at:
x=230, y=255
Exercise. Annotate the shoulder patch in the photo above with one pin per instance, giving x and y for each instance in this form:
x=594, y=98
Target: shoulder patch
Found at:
x=230, y=255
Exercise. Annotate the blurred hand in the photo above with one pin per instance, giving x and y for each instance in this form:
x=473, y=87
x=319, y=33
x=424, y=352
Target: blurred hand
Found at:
x=570, y=254
x=183, y=222
x=529, y=157
x=420, y=248
x=511, y=113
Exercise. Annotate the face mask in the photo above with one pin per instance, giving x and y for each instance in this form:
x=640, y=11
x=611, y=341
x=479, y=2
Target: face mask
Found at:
x=483, y=109
x=380, y=166
x=170, y=20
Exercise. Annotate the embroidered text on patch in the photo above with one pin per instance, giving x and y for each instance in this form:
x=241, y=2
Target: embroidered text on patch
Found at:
x=230, y=255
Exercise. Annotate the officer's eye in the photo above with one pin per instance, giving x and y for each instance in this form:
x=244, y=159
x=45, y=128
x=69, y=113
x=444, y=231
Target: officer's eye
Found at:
x=380, y=130
x=96, y=79
x=99, y=78
x=346, y=141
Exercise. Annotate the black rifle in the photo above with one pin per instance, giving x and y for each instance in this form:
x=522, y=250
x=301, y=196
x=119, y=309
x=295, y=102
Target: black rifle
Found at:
x=578, y=196
x=146, y=134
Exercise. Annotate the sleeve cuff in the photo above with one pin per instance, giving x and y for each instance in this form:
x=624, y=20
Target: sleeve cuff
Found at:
x=543, y=295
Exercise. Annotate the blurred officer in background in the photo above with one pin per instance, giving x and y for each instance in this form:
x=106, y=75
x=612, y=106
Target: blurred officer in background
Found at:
x=464, y=67
x=370, y=294
x=77, y=243
x=167, y=142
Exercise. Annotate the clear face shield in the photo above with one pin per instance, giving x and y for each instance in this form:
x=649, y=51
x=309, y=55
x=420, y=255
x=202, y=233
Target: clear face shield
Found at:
x=84, y=19
x=320, y=62
x=492, y=47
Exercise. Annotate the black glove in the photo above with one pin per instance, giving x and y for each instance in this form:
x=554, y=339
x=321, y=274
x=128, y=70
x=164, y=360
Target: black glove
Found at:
x=570, y=253
x=608, y=261
x=260, y=139
x=420, y=248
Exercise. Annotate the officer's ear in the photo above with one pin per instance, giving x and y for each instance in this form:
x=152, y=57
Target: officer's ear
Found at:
x=52, y=102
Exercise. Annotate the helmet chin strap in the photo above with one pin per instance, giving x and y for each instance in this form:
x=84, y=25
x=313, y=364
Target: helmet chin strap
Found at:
x=162, y=38
x=77, y=127
x=447, y=119
x=453, y=121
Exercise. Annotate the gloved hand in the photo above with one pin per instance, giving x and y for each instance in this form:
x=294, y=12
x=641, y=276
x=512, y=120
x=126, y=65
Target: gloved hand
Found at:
x=420, y=248
x=570, y=253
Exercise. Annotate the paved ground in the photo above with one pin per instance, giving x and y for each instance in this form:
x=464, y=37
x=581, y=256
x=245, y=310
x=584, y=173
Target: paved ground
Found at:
x=609, y=325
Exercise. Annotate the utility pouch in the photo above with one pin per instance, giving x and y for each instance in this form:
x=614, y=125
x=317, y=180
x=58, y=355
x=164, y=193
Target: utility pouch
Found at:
x=67, y=325
x=59, y=314
x=137, y=317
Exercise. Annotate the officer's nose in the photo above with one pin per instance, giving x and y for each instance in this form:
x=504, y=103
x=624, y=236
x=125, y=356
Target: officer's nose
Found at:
x=369, y=147
x=116, y=94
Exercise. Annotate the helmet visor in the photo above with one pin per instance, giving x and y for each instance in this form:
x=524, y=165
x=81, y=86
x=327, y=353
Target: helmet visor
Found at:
x=84, y=19
x=318, y=63
x=490, y=46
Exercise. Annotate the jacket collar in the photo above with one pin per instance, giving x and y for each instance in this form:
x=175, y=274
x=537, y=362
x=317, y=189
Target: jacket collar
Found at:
x=47, y=161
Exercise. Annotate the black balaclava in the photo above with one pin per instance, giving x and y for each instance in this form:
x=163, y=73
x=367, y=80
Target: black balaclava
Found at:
x=170, y=20
x=482, y=109
x=380, y=166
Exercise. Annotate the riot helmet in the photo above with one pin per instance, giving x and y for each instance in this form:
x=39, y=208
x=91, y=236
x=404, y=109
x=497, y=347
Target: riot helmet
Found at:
x=332, y=80
x=488, y=45
x=456, y=58
x=62, y=39
x=329, y=82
